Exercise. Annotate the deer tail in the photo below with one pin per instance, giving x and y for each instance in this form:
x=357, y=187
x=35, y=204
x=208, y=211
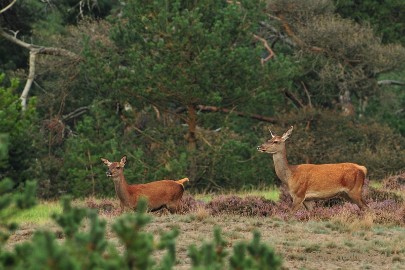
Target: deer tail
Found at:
x=182, y=181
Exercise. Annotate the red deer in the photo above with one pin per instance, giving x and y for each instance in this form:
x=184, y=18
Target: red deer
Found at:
x=160, y=194
x=308, y=182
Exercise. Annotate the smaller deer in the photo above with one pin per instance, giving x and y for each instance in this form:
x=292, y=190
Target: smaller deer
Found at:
x=160, y=194
x=308, y=182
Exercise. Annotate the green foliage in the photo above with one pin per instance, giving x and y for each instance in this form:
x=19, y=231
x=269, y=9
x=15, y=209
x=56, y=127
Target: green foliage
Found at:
x=11, y=201
x=254, y=255
x=386, y=17
x=210, y=255
x=184, y=53
x=150, y=59
x=18, y=130
x=328, y=137
x=138, y=244
x=71, y=218
x=98, y=136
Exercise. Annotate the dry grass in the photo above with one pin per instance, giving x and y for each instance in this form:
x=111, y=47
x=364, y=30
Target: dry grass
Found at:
x=343, y=242
x=336, y=237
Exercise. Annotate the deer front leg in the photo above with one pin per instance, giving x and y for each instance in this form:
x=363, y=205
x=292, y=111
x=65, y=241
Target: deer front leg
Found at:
x=297, y=202
x=122, y=206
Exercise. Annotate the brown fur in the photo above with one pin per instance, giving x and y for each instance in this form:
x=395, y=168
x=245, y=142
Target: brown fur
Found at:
x=163, y=193
x=308, y=182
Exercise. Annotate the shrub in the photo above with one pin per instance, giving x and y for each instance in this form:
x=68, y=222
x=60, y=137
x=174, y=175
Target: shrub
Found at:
x=395, y=182
x=248, y=206
x=19, y=130
x=188, y=204
x=379, y=195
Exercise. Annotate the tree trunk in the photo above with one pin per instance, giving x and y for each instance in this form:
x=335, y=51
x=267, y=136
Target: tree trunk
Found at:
x=30, y=79
x=192, y=140
x=192, y=124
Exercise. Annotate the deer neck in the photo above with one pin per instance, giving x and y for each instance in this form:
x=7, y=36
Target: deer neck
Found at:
x=121, y=188
x=281, y=166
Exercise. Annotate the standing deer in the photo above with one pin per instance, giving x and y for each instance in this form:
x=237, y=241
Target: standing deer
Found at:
x=163, y=193
x=308, y=182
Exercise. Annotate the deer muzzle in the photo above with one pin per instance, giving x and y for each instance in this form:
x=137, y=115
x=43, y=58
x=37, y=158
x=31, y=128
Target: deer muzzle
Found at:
x=260, y=148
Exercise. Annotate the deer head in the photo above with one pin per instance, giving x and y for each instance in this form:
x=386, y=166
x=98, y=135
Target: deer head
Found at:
x=276, y=143
x=115, y=169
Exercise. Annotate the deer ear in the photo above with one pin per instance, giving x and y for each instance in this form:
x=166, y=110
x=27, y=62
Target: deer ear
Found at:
x=271, y=133
x=123, y=161
x=105, y=161
x=287, y=134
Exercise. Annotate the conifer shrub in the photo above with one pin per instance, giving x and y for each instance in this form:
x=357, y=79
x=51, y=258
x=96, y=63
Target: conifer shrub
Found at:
x=10, y=203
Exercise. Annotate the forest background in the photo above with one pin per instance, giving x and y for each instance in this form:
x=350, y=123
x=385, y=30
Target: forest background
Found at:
x=190, y=88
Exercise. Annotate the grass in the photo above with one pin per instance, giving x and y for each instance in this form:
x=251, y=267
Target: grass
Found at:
x=40, y=214
x=268, y=193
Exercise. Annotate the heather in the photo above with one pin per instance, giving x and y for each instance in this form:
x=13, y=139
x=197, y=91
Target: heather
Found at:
x=386, y=206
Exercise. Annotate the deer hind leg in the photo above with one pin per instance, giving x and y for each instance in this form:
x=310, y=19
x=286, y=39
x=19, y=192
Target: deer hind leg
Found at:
x=309, y=205
x=357, y=199
x=174, y=206
x=356, y=193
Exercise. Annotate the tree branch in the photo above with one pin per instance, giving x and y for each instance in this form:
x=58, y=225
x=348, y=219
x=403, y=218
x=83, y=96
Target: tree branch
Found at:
x=294, y=37
x=205, y=108
x=7, y=7
x=39, y=49
x=79, y=111
x=307, y=93
x=293, y=98
x=266, y=45
x=389, y=82
x=34, y=50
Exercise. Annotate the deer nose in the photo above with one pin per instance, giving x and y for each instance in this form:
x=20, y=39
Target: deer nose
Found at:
x=108, y=173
